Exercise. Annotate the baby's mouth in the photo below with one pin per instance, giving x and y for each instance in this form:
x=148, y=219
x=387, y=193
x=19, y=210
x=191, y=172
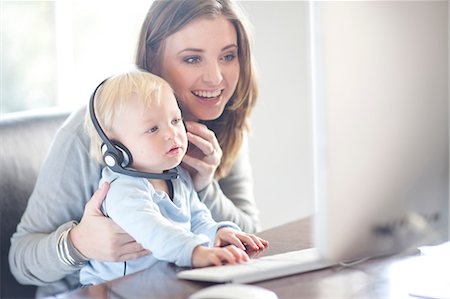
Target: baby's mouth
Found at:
x=207, y=94
x=175, y=148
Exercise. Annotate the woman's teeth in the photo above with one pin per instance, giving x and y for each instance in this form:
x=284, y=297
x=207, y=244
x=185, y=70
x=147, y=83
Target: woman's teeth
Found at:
x=207, y=94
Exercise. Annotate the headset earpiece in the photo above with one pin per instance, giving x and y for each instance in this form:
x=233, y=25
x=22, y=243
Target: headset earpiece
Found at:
x=120, y=157
x=126, y=158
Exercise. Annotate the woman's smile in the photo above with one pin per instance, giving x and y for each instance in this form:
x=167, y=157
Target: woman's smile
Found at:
x=211, y=98
x=206, y=94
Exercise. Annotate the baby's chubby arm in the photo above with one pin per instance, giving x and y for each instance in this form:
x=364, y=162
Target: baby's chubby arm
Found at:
x=141, y=218
x=229, y=241
x=224, y=232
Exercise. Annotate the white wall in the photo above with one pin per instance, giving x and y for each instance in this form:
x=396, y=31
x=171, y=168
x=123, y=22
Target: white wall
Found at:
x=280, y=142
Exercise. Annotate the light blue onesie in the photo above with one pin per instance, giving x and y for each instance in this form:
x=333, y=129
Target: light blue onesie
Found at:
x=169, y=229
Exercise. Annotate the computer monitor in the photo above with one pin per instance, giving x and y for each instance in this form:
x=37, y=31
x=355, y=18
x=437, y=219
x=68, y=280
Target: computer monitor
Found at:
x=379, y=77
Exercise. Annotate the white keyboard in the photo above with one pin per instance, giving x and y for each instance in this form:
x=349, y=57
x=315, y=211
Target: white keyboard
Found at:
x=264, y=268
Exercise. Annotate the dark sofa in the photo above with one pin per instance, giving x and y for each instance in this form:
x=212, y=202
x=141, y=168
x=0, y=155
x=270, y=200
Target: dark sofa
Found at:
x=24, y=141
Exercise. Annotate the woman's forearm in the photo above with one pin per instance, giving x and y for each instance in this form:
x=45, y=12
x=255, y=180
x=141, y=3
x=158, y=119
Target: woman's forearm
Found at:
x=33, y=258
x=66, y=181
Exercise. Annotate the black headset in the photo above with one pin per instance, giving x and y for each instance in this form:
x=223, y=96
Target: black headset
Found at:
x=116, y=156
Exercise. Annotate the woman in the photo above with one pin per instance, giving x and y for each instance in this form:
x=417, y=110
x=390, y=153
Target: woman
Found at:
x=202, y=49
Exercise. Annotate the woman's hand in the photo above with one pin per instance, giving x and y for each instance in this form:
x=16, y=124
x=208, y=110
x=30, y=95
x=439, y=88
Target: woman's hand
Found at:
x=204, y=157
x=244, y=241
x=203, y=256
x=97, y=237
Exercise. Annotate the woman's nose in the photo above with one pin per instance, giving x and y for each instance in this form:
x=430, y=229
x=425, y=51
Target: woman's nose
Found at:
x=213, y=74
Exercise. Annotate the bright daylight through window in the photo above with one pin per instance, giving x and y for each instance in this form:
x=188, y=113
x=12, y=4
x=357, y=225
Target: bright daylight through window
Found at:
x=54, y=52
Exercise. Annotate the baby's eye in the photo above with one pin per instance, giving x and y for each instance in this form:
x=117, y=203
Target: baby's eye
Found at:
x=192, y=59
x=176, y=121
x=153, y=130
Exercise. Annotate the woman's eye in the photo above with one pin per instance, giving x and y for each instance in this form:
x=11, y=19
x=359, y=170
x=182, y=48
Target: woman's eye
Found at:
x=192, y=60
x=153, y=130
x=229, y=57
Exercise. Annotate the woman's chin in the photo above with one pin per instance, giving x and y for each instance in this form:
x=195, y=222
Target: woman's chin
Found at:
x=209, y=115
x=203, y=111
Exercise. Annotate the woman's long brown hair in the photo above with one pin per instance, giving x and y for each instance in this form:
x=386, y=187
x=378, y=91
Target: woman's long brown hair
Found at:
x=166, y=17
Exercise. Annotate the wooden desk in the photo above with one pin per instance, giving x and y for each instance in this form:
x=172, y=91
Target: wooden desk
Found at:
x=376, y=278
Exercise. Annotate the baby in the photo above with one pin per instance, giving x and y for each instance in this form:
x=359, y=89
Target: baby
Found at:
x=136, y=129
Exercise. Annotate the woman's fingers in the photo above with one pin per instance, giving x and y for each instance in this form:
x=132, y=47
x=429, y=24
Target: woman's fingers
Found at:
x=202, y=131
x=203, y=156
x=211, y=154
x=205, y=146
x=201, y=169
x=120, y=246
x=200, y=165
x=203, y=138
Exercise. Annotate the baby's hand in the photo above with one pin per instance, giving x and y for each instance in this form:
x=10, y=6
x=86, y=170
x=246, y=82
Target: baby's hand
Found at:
x=244, y=241
x=203, y=256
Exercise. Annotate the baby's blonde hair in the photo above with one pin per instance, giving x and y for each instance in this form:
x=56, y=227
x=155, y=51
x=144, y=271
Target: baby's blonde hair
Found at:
x=113, y=94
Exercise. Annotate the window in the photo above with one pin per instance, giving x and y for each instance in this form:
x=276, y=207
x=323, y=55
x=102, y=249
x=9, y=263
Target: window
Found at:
x=54, y=53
